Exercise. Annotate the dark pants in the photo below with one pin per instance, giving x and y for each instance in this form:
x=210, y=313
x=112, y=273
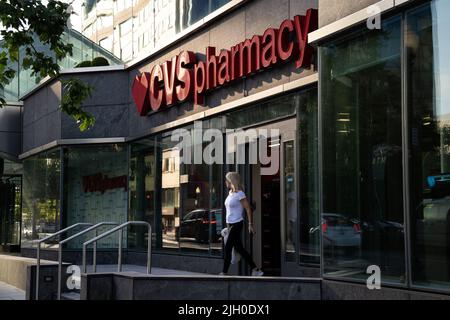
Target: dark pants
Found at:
x=234, y=241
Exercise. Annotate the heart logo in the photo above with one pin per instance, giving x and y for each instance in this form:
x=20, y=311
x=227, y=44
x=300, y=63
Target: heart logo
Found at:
x=140, y=93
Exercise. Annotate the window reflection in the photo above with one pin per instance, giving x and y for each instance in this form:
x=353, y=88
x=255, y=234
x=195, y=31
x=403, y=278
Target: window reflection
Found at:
x=428, y=101
x=10, y=205
x=96, y=189
x=309, y=176
x=137, y=26
x=362, y=221
x=41, y=196
x=142, y=191
x=170, y=193
x=290, y=196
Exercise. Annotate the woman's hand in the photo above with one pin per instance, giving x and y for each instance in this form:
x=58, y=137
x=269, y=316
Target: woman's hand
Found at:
x=250, y=229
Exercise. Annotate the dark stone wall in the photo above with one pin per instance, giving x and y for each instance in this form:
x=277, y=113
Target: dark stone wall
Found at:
x=41, y=117
x=338, y=290
x=148, y=287
x=11, y=131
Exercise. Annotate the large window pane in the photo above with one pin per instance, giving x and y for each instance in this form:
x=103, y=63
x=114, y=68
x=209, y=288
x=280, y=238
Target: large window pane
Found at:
x=290, y=196
x=362, y=218
x=170, y=192
x=41, y=196
x=196, y=218
x=429, y=110
x=309, y=178
x=96, y=188
x=10, y=205
x=142, y=190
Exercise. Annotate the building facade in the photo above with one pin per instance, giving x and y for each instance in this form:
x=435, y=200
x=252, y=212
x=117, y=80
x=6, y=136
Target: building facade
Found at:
x=356, y=92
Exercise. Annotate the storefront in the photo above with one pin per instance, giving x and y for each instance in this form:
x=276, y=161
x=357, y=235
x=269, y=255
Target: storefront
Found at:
x=354, y=123
x=385, y=159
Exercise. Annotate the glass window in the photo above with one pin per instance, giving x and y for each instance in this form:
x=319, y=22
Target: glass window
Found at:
x=268, y=111
x=170, y=193
x=429, y=115
x=182, y=201
x=309, y=248
x=107, y=43
x=362, y=219
x=196, y=224
x=10, y=205
x=290, y=196
x=96, y=188
x=41, y=196
x=142, y=190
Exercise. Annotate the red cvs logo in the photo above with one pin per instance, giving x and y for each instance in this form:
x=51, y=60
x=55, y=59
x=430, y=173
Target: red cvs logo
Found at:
x=183, y=78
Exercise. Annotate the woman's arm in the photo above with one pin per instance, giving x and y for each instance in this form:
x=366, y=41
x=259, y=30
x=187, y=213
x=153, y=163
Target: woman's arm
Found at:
x=246, y=204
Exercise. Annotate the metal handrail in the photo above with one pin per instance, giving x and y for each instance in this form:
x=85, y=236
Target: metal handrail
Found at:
x=120, y=228
x=38, y=251
x=79, y=234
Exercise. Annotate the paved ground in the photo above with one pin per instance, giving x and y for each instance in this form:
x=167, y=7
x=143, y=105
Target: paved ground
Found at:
x=8, y=292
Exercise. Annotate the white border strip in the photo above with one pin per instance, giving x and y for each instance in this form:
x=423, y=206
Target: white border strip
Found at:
x=353, y=19
x=116, y=67
x=70, y=142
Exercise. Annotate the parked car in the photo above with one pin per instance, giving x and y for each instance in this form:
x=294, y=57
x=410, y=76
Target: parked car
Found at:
x=339, y=231
x=196, y=224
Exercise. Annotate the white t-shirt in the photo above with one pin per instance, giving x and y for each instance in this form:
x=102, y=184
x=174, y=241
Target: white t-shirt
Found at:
x=234, y=207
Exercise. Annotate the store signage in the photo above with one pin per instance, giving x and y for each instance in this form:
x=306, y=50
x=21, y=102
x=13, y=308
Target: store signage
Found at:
x=184, y=78
x=101, y=183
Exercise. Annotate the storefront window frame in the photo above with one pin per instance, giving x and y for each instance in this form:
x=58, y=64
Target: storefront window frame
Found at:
x=406, y=140
x=156, y=137
x=408, y=116
x=348, y=36
x=60, y=213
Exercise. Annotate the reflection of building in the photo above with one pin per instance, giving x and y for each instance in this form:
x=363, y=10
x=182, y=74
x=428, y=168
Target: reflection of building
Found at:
x=170, y=197
x=128, y=28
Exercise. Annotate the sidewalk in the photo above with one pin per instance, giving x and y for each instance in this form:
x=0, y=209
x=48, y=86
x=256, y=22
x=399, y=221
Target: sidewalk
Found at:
x=8, y=292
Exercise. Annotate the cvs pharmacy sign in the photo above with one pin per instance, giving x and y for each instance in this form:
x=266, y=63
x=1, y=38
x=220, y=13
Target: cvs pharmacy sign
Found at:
x=184, y=78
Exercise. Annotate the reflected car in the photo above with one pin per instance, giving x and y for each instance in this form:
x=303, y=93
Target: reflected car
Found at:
x=433, y=225
x=339, y=231
x=196, y=225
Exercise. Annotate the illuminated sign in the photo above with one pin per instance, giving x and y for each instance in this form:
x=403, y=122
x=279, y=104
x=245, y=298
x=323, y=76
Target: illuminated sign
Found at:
x=184, y=78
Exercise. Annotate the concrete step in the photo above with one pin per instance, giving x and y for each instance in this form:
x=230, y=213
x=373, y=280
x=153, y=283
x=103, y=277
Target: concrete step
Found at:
x=139, y=286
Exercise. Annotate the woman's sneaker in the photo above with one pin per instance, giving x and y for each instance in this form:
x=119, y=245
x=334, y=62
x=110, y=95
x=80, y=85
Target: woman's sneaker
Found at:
x=257, y=272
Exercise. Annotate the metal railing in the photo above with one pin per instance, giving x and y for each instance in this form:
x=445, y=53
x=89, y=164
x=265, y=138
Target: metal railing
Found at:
x=38, y=251
x=79, y=234
x=119, y=260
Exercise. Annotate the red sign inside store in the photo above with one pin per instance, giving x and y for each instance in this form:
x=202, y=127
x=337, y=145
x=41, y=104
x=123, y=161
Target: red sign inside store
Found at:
x=184, y=78
x=101, y=183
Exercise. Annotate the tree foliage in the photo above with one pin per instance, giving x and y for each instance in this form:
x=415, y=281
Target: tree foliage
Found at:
x=27, y=22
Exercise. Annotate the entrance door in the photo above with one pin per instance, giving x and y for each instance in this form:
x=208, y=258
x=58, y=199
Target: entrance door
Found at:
x=274, y=197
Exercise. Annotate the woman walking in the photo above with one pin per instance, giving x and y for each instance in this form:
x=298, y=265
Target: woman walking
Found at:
x=235, y=204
